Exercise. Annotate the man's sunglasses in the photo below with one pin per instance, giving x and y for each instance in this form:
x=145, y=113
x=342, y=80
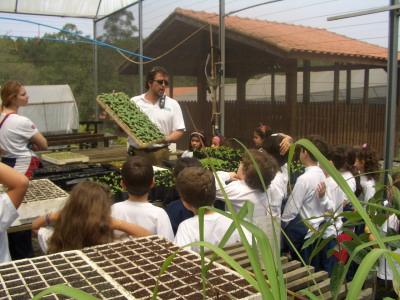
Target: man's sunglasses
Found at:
x=161, y=82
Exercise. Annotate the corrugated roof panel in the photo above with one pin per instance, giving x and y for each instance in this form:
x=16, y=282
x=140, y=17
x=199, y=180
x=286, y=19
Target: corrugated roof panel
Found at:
x=66, y=8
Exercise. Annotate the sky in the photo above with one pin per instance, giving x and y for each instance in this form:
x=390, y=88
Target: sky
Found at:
x=372, y=28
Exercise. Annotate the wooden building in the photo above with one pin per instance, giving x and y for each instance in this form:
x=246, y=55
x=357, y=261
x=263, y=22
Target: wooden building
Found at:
x=257, y=47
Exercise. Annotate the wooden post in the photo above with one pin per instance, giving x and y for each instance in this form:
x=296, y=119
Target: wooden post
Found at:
x=201, y=88
x=366, y=104
x=366, y=86
x=273, y=85
x=306, y=81
x=348, y=86
x=336, y=82
x=241, y=80
x=291, y=95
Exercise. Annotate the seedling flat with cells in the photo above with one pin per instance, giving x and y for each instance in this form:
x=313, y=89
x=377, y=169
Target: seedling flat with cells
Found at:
x=130, y=117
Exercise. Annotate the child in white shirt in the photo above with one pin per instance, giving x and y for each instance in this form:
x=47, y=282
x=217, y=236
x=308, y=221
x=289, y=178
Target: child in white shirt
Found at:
x=246, y=185
x=304, y=202
x=367, y=162
x=16, y=184
x=196, y=187
x=197, y=141
x=277, y=191
x=137, y=179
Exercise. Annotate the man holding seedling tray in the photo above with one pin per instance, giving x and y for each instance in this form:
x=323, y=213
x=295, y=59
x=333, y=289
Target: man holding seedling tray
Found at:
x=163, y=111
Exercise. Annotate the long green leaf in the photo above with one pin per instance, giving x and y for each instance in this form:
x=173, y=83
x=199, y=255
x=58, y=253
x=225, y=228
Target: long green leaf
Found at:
x=62, y=289
x=362, y=272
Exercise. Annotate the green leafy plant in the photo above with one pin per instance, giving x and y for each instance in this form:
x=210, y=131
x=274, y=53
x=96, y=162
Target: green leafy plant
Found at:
x=164, y=179
x=112, y=180
x=130, y=114
x=230, y=157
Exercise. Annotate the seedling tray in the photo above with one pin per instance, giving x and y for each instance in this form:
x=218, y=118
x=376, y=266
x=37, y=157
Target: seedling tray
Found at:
x=123, y=270
x=42, y=197
x=131, y=119
x=62, y=158
x=23, y=279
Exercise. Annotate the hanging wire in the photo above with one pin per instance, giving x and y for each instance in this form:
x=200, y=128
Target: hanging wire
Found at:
x=166, y=52
x=92, y=41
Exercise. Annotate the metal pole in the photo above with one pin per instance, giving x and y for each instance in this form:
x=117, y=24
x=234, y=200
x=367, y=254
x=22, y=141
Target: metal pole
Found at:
x=141, y=87
x=390, y=115
x=95, y=70
x=222, y=49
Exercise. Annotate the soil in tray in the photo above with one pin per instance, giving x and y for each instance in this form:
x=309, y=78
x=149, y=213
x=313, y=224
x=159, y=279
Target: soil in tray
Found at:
x=95, y=280
x=240, y=294
x=185, y=290
x=32, y=279
x=110, y=294
x=131, y=287
x=37, y=286
x=10, y=277
x=141, y=293
x=168, y=295
x=227, y=287
x=13, y=283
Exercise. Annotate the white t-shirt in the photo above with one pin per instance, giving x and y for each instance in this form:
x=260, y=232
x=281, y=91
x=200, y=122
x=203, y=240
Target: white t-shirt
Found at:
x=15, y=134
x=337, y=197
x=368, y=188
x=351, y=181
x=304, y=199
x=8, y=214
x=145, y=214
x=239, y=192
x=394, y=224
x=215, y=227
x=167, y=119
x=277, y=191
x=187, y=153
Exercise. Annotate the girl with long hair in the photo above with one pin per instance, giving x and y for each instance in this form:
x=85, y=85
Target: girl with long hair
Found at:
x=367, y=165
x=84, y=221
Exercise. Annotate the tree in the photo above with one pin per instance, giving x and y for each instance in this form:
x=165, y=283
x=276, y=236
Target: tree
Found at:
x=119, y=27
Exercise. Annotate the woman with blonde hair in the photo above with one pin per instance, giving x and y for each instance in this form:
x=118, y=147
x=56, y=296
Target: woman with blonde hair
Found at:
x=84, y=221
x=19, y=136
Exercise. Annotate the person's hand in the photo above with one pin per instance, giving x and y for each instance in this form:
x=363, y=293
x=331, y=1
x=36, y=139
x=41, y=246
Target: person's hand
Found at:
x=233, y=176
x=321, y=189
x=285, y=144
x=37, y=224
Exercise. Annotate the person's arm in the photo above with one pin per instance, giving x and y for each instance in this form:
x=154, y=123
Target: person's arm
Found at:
x=174, y=136
x=128, y=228
x=39, y=142
x=45, y=220
x=16, y=183
x=294, y=203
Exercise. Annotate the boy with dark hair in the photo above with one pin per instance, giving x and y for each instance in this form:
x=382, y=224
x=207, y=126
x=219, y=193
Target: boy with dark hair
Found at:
x=246, y=185
x=137, y=179
x=196, y=186
x=304, y=202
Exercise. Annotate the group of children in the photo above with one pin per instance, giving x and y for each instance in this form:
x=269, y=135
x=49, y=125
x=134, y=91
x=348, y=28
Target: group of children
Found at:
x=89, y=217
